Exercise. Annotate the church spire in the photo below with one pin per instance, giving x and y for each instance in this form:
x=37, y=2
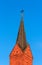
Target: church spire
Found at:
x=21, y=40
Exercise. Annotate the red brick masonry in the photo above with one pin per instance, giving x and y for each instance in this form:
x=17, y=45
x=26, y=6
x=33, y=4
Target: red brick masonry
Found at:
x=19, y=57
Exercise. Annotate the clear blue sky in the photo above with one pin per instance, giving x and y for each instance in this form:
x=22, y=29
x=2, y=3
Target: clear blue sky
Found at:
x=9, y=25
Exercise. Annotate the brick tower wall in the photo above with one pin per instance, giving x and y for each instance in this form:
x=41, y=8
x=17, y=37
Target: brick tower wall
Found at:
x=18, y=57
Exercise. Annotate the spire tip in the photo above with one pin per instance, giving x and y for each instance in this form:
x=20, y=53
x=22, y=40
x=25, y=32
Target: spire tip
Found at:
x=22, y=14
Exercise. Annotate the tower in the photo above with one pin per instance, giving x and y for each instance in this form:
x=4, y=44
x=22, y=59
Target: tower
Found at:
x=21, y=53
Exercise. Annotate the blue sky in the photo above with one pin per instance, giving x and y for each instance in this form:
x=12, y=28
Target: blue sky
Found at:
x=9, y=25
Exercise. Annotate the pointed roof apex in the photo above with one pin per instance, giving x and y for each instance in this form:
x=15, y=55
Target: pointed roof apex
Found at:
x=21, y=40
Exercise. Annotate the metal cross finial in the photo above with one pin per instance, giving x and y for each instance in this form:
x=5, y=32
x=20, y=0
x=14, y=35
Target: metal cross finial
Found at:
x=22, y=13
